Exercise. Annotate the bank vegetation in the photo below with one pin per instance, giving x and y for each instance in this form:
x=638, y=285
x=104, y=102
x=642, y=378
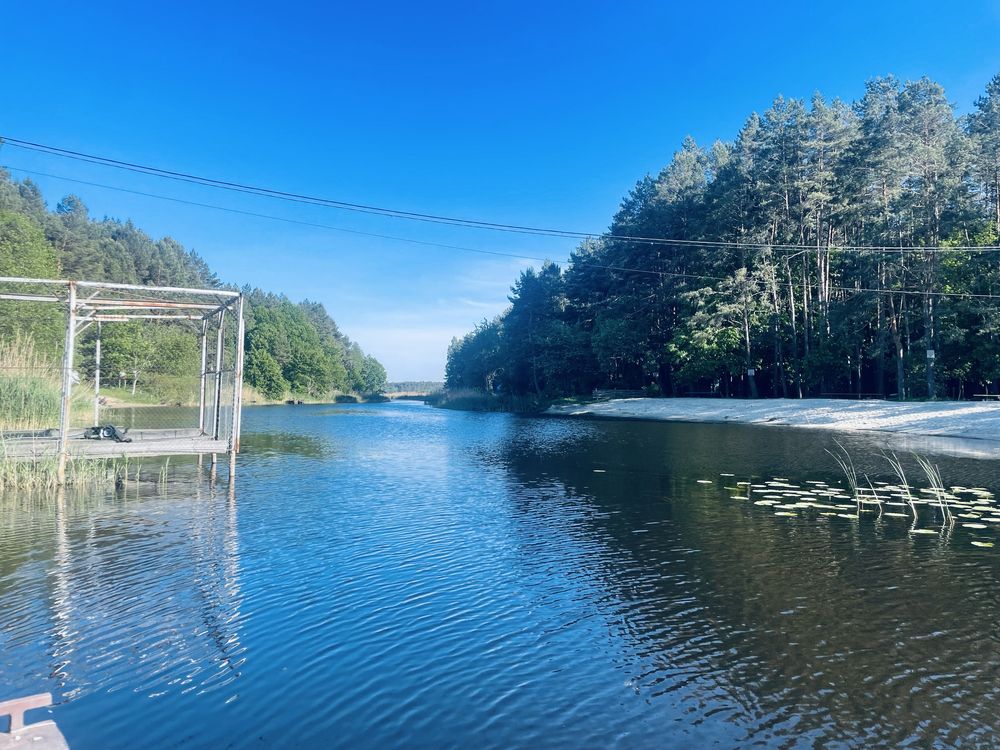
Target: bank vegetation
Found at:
x=830, y=249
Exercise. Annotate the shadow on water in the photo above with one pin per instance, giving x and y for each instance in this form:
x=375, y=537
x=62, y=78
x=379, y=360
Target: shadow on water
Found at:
x=791, y=631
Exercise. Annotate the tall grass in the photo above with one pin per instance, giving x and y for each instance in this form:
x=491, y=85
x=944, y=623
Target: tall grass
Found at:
x=42, y=474
x=897, y=467
x=30, y=387
x=937, y=487
x=100, y=473
x=846, y=463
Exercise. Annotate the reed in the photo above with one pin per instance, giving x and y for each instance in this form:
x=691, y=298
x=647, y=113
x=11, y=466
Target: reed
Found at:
x=30, y=386
x=897, y=467
x=846, y=463
x=42, y=474
x=937, y=486
x=164, y=471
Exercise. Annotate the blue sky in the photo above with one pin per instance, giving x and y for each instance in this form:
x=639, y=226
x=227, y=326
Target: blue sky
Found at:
x=526, y=113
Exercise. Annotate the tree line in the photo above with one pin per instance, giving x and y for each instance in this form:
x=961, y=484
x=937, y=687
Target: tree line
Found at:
x=828, y=250
x=292, y=349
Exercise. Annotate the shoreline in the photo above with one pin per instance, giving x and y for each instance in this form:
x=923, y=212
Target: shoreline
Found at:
x=954, y=427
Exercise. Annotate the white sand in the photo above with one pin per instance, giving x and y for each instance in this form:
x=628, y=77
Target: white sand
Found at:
x=952, y=419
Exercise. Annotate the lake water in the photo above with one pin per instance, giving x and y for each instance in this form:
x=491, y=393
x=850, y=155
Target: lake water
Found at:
x=396, y=575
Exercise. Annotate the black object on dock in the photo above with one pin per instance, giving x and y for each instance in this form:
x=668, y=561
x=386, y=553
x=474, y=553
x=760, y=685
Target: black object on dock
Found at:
x=107, y=432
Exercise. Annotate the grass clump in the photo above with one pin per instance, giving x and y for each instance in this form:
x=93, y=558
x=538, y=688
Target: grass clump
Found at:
x=30, y=387
x=43, y=473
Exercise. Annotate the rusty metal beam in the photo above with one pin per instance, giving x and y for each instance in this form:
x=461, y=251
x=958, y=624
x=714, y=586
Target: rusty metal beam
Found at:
x=109, y=304
x=136, y=316
x=174, y=289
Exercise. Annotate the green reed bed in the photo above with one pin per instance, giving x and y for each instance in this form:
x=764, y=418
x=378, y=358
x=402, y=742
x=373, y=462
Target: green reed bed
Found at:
x=30, y=387
x=43, y=473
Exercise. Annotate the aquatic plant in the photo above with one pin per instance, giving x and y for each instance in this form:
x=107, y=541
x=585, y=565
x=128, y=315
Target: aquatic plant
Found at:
x=972, y=508
x=42, y=474
x=937, y=487
x=897, y=467
x=163, y=472
x=846, y=463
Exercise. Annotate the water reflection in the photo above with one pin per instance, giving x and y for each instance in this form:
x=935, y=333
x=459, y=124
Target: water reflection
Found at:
x=139, y=591
x=396, y=575
x=285, y=444
x=791, y=631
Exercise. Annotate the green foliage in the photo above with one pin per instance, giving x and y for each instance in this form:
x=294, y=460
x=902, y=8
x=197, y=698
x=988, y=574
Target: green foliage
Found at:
x=290, y=348
x=764, y=287
x=25, y=252
x=264, y=373
x=30, y=386
x=373, y=377
x=298, y=349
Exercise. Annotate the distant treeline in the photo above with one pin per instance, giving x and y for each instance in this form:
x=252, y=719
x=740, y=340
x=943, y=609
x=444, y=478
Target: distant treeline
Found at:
x=414, y=386
x=291, y=348
x=766, y=287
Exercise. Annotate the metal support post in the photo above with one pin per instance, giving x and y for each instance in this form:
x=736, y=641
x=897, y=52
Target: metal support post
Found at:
x=67, y=385
x=97, y=377
x=217, y=404
x=201, y=386
x=234, y=430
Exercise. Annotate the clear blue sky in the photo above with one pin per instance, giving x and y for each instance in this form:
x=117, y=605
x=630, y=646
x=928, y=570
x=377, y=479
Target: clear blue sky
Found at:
x=527, y=113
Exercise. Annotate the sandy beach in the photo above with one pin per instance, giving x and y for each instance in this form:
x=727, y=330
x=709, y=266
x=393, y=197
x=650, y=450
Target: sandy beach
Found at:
x=973, y=424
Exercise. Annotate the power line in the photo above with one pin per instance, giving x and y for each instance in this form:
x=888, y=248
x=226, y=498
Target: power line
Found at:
x=462, y=248
x=284, y=195
x=317, y=225
x=451, y=220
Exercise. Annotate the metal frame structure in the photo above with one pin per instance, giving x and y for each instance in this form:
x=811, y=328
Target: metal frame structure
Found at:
x=95, y=302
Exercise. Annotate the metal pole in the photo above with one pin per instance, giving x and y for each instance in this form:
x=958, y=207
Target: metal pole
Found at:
x=201, y=387
x=218, y=376
x=234, y=430
x=67, y=385
x=238, y=375
x=97, y=378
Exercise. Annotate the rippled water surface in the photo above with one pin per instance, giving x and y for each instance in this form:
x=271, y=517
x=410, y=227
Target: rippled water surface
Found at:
x=396, y=575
